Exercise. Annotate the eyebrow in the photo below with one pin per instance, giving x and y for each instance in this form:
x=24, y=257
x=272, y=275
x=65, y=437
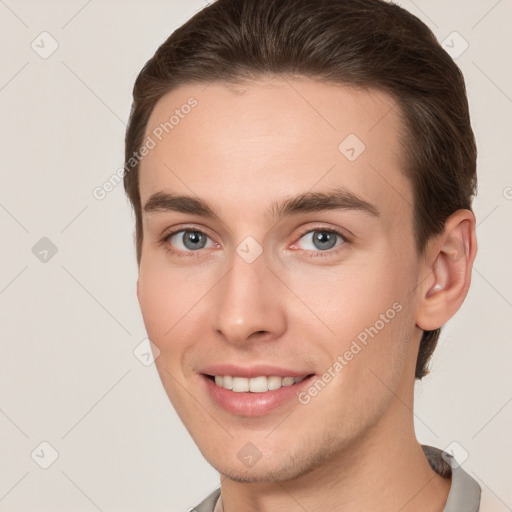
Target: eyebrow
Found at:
x=335, y=199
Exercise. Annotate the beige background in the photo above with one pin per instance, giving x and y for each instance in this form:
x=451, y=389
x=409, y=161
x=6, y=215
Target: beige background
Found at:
x=69, y=326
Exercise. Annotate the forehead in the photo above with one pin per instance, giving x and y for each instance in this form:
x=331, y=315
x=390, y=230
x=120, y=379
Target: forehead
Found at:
x=276, y=138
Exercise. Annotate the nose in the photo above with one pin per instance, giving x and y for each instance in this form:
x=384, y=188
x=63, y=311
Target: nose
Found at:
x=249, y=303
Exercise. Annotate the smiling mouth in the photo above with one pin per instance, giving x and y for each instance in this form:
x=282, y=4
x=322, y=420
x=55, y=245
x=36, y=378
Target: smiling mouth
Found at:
x=259, y=384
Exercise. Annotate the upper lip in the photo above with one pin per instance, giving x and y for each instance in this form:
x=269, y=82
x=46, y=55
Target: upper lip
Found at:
x=252, y=371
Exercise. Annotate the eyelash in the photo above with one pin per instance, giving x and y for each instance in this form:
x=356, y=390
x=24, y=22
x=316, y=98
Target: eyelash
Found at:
x=313, y=254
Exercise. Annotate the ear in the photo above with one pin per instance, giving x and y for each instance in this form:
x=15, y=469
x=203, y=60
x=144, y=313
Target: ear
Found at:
x=448, y=264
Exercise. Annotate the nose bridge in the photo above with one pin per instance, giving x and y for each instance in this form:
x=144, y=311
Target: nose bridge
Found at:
x=245, y=299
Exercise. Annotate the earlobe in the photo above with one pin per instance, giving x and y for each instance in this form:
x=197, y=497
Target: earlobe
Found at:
x=449, y=276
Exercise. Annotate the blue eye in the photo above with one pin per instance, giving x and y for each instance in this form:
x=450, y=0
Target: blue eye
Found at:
x=187, y=240
x=318, y=242
x=322, y=239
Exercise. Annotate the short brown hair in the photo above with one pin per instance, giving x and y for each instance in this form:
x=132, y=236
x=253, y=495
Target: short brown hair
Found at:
x=362, y=43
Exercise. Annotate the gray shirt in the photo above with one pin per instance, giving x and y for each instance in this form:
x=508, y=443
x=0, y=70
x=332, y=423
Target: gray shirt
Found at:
x=464, y=493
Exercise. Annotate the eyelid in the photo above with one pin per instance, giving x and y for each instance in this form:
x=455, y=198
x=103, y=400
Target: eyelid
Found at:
x=328, y=253
x=168, y=232
x=163, y=240
x=344, y=233
x=201, y=229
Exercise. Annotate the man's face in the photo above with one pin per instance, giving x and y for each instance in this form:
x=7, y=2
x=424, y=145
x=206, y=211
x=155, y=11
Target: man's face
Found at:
x=259, y=294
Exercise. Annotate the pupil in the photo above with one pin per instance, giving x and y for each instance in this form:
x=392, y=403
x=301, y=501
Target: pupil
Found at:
x=324, y=240
x=193, y=237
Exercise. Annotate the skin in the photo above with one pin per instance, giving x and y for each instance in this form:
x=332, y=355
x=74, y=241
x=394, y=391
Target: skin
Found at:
x=353, y=446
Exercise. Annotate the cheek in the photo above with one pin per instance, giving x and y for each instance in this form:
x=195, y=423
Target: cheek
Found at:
x=363, y=320
x=174, y=303
x=156, y=304
x=164, y=299
x=347, y=299
x=166, y=294
x=364, y=369
x=167, y=305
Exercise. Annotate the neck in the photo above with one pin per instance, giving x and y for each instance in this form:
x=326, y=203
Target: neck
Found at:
x=385, y=469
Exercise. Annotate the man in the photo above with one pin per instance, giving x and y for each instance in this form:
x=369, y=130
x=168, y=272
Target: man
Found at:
x=302, y=173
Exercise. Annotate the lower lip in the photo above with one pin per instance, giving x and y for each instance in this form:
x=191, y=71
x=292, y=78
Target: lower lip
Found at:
x=253, y=404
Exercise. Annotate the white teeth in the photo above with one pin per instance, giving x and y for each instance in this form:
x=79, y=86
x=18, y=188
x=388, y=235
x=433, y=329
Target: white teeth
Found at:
x=274, y=383
x=288, y=381
x=228, y=382
x=255, y=384
x=240, y=384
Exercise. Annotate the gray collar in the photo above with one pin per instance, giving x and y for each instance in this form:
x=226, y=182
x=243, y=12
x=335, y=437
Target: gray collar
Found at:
x=465, y=492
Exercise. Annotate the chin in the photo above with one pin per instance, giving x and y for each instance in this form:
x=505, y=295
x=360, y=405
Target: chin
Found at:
x=287, y=467
x=260, y=475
